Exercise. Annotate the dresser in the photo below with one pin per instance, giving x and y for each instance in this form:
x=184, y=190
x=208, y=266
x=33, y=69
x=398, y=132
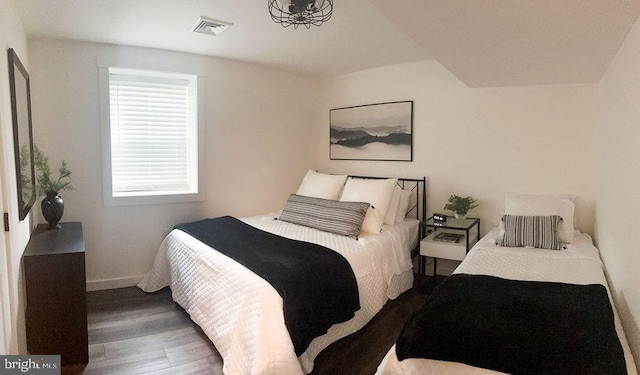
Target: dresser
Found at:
x=55, y=286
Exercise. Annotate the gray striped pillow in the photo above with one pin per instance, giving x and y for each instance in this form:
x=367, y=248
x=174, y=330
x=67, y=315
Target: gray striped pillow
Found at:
x=531, y=231
x=338, y=217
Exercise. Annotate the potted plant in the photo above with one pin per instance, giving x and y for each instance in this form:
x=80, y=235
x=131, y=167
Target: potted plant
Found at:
x=460, y=205
x=52, y=205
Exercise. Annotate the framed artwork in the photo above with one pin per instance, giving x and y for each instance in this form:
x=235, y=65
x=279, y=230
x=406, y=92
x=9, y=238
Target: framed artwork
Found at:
x=381, y=131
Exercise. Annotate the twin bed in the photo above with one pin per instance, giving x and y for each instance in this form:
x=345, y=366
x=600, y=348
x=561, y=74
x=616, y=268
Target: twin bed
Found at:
x=579, y=264
x=511, y=307
x=249, y=319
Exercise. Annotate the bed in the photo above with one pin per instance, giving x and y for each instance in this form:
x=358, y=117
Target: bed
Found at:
x=575, y=268
x=242, y=313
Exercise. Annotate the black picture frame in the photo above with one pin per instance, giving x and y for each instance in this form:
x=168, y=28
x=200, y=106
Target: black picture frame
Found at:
x=20, y=90
x=380, y=132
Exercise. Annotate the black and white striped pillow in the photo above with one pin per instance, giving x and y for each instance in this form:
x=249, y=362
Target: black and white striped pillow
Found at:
x=338, y=217
x=531, y=231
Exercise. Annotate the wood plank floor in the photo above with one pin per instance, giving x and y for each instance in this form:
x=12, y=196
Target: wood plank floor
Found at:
x=132, y=332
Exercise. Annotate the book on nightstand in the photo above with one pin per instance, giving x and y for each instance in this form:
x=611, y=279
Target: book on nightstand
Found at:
x=449, y=237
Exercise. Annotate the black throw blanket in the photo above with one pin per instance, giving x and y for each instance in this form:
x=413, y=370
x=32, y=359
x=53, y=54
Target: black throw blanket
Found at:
x=317, y=285
x=517, y=327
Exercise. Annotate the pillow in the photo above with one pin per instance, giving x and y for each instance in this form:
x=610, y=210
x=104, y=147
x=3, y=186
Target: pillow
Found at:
x=321, y=185
x=544, y=205
x=403, y=206
x=375, y=192
x=531, y=231
x=392, y=210
x=332, y=216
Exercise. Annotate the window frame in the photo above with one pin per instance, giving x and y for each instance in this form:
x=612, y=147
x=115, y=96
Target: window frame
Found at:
x=154, y=198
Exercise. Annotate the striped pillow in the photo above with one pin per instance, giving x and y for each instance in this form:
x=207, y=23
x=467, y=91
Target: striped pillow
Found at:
x=531, y=231
x=344, y=218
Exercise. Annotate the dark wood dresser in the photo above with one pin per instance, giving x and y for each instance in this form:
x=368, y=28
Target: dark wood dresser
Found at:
x=56, y=301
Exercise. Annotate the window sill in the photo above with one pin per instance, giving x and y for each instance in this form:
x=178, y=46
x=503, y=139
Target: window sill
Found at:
x=151, y=199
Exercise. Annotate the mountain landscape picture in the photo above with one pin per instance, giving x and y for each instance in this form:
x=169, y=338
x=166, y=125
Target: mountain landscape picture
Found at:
x=372, y=132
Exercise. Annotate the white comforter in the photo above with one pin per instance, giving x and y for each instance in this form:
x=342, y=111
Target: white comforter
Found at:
x=579, y=264
x=242, y=314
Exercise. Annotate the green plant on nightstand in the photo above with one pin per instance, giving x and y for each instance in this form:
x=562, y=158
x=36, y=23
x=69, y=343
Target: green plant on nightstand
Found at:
x=460, y=205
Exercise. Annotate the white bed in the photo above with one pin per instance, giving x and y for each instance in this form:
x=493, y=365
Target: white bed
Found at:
x=578, y=264
x=242, y=314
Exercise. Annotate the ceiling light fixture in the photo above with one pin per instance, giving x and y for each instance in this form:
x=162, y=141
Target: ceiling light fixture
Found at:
x=206, y=25
x=300, y=12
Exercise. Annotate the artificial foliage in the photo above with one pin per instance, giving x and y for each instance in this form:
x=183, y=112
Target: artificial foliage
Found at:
x=460, y=205
x=45, y=182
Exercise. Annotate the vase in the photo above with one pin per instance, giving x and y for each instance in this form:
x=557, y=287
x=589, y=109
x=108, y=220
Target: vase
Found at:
x=460, y=216
x=52, y=209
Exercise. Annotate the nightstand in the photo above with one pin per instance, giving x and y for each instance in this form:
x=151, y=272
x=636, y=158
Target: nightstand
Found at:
x=452, y=240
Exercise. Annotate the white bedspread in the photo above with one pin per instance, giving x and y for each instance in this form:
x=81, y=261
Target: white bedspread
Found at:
x=579, y=264
x=242, y=314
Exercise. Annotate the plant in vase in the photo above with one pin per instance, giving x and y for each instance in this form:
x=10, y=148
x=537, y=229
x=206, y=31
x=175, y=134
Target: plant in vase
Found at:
x=52, y=205
x=460, y=205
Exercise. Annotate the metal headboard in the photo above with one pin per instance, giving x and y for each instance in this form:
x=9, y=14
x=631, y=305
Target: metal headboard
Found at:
x=418, y=205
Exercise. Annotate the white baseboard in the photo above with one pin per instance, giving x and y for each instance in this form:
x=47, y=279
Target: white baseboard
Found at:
x=113, y=283
x=445, y=266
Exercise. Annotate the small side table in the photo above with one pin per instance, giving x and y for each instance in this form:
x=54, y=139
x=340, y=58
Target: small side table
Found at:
x=453, y=240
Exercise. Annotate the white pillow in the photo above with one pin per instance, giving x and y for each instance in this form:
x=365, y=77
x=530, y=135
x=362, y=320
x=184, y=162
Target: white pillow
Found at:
x=544, y=205
x=321, y=185
x=403, y=205
x=390, y=217
x=375, y=192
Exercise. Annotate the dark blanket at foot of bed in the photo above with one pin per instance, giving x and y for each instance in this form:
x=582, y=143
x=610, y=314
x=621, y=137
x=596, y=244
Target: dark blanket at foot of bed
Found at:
x=317, y=285
x=517, y=327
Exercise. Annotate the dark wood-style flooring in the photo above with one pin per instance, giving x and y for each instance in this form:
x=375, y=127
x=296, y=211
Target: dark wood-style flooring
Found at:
x=132, y=332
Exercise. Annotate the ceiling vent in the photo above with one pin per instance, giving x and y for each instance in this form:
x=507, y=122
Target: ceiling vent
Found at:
x=206, y=25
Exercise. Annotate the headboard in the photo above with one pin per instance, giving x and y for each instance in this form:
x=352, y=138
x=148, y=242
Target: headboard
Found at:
x=418, y=204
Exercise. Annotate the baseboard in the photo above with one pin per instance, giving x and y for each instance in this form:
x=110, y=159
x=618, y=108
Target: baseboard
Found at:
x=113, y=283
x=445, y=266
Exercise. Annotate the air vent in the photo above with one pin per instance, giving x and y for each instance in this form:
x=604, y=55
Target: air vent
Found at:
x=206, y=25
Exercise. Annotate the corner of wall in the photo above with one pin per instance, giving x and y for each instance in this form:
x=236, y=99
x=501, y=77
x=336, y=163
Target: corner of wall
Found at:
x=12, y=35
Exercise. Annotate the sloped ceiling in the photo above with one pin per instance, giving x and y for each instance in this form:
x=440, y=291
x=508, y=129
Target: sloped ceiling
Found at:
x=485, y=43
x=489, y=43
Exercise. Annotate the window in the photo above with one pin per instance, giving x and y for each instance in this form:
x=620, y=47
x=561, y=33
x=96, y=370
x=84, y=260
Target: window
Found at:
x=151, y=137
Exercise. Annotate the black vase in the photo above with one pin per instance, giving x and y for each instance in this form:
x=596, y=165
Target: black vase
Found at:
x=52, y=209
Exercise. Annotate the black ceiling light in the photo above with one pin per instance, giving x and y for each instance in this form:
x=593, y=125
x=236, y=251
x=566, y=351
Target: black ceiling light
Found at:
x=300, y=12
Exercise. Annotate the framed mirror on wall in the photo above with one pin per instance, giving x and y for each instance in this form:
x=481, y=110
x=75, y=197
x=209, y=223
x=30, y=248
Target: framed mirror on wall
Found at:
x=22, y=133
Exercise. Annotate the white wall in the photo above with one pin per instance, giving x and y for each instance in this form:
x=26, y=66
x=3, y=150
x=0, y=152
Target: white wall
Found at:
x=618, y=176
x=12, y=35
x=258, y=144
x=479, y=142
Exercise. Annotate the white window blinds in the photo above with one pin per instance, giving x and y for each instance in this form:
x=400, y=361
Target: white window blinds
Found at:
x=153, y=127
